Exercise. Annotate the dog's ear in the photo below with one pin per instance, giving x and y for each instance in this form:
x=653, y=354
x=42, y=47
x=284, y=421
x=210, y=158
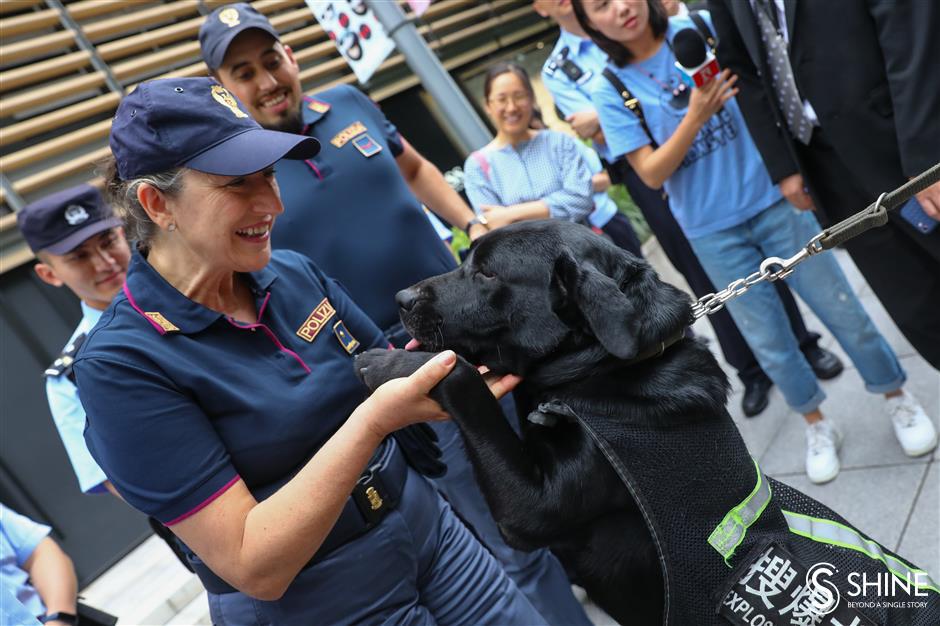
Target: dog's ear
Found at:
x=607, y=311
x=626, y=306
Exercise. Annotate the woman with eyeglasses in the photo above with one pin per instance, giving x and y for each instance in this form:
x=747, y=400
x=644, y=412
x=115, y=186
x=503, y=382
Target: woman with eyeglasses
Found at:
x=530, y=172
x=524, y=173
x=694, y=142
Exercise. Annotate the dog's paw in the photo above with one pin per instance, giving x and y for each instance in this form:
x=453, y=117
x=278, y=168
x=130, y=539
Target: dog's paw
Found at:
x=377, y=366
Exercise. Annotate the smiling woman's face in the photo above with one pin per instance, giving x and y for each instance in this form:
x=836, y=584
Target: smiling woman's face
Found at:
x=225, y=221
x=509, y=104
x=623, y=21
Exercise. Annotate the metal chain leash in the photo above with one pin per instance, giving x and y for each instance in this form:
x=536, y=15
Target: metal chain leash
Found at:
x=774, y=268
x=771, y=269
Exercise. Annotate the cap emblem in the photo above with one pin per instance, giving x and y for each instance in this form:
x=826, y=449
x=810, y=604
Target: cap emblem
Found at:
x=229, y=17
x=75, y=214
x=223, y=97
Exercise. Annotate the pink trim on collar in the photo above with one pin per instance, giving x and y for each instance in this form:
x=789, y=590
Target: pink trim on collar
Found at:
x=263, y=305
x=130, y=299
x=315, y=169
x=272, y=337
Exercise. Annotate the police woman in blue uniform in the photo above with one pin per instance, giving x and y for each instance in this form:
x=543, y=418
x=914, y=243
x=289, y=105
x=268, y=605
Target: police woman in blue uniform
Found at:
x=221, y=397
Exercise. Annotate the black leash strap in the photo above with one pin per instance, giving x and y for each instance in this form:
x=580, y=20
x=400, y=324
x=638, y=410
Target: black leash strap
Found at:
x=775, y=268
x=877, y=213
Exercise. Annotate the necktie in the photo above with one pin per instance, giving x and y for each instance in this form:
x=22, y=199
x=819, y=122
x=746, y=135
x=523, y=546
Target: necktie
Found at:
x=782, y=74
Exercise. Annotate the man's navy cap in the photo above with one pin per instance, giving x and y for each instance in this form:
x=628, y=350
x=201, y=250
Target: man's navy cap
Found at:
x=195, y=123
x=226, y=23
x=61, y=222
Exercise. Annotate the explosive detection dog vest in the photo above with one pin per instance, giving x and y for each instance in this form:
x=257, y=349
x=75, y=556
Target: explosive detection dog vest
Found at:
x=738, y=547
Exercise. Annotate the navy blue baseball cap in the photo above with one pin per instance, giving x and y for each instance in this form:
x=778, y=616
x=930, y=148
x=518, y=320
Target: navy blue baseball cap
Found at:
x=60, y=222
x=223, y=25
x=195, y=123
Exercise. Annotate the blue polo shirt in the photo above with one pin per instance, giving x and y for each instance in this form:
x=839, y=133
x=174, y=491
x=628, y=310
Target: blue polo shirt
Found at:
x=181, y=400
x=350, y=210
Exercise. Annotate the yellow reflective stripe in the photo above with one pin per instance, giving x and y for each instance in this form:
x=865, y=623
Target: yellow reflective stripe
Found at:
x=836, y=534
x=729, y=534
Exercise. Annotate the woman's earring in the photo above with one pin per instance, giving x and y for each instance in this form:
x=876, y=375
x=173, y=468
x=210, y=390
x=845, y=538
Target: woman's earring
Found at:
x=171, y=227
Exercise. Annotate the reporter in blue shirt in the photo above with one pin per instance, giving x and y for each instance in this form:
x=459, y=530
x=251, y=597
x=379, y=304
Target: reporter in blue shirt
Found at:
x=221, y=397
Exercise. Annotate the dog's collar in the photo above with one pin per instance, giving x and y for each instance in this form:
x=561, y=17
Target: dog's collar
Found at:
x=657, y=350
x=549, y=413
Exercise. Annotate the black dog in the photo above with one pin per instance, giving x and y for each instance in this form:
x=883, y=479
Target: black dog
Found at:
x=570, y=313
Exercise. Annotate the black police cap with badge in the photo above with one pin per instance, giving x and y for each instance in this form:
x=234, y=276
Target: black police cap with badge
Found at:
x=226, y=23
x=196, y=123
x=59, y=223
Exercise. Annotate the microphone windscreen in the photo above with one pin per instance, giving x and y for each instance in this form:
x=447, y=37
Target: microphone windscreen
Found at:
x=689, y=48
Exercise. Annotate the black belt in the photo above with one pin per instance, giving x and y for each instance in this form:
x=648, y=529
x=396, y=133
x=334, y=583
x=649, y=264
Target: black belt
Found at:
x=377, y=492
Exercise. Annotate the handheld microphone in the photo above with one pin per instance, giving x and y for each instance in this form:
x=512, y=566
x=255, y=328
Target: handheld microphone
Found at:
x=695, y=62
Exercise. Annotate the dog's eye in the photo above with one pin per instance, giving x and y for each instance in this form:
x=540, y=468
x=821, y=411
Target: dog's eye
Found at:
x=485, y=274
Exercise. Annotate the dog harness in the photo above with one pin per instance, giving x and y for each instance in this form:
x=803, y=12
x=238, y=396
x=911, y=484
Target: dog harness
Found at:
x=736, y=546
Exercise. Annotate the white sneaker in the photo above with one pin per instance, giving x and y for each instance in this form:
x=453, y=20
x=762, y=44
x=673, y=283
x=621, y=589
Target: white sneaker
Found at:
x=822, y=457
x=914, y=430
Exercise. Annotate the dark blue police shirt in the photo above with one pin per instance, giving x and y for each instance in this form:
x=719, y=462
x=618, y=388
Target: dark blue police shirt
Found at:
x=350, y=210
x=182, y=400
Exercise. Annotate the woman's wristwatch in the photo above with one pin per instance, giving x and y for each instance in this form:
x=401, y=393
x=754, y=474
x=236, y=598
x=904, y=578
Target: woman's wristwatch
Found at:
x=479, y=219
x=60, y=616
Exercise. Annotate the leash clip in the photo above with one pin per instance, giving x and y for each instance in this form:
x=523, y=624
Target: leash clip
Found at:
x=774, y=268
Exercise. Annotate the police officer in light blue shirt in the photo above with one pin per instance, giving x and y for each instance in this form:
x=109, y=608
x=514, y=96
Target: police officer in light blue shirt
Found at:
x=37, y=579
x=79, y=244
x=355, y=210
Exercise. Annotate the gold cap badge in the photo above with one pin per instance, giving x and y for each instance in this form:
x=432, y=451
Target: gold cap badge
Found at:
x=229, y=17
x=223, y=97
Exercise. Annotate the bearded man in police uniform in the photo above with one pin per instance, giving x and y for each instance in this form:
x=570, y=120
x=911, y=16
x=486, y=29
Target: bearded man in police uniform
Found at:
x=79, y=244
x=355, y=209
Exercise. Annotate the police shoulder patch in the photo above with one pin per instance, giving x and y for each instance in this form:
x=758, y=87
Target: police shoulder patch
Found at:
x=63, y=363
x=162, y=322
x=318, y=106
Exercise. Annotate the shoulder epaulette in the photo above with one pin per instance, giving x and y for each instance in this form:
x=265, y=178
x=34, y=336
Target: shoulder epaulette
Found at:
x=571, y=70
x=63, y=363
x=555, y=61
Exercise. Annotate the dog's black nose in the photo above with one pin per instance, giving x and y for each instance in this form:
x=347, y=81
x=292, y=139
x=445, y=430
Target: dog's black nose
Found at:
x=406, y=298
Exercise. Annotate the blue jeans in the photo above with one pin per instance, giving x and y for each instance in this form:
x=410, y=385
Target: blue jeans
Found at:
x=420, y=566
x=782, y=230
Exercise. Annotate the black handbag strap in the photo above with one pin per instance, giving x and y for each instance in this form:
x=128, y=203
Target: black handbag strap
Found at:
x=705, y=31
x=631, y=102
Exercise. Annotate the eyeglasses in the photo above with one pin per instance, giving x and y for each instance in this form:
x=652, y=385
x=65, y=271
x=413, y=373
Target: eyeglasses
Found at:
x=503, y=99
